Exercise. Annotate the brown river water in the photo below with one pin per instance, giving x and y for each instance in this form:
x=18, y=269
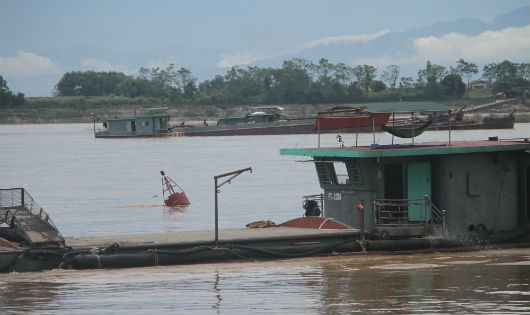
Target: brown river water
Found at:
x=101, y=186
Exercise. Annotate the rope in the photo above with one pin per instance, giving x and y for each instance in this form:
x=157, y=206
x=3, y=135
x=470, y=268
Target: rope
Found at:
x=363, y=246
x=154, y=252
x=99, y=262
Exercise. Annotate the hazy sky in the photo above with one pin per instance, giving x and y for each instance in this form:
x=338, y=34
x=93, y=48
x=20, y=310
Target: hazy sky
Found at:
x=240, y=30
x=271, y=26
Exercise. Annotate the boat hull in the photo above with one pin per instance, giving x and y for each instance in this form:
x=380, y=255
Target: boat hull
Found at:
x=350, y=121
x=312, y=237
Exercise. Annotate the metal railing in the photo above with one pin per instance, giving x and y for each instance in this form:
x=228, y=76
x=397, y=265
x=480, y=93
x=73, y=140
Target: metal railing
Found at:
x=396, y=212
x=15, y=200
x=319, y=199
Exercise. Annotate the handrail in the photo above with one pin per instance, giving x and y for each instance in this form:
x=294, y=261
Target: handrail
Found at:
x=319, y=198
x=13, y=199
x=396, y=212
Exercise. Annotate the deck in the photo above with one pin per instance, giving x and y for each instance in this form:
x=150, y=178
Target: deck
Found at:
x=419, y=149
x=225, y=236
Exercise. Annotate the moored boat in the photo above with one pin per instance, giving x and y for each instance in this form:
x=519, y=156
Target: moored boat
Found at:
x=155, y=125
x=261, y=122
x=435, y=194
x=377, y=198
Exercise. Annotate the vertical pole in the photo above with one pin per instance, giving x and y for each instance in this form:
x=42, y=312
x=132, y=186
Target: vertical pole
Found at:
x=94, y=121
x=393, y=123
x=373, y=127
x=322, y=204
x=427, y=208
x=362, y=222
x=443, y=223
x=22, y=201
x=449, y=119
x=318, y=129
x=216, y=214
x=412, y=115
x=360, y=208
x=357, y=135
x=233, y=175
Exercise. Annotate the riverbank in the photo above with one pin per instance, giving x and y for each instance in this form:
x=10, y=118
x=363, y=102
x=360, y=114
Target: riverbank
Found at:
x=84, y=110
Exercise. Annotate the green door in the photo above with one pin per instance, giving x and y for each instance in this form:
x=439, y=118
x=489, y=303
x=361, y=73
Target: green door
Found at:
x=157, y=124
x=418, y=185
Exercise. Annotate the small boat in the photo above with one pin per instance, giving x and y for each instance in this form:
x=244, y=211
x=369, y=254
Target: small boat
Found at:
x=175, y=195
x=156, y=125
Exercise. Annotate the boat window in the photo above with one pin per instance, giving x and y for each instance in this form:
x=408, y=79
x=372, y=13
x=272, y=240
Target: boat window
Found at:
x=144, y=123
x=324, y=172
x=355, y=172
x=341, y=173
x=332, y=173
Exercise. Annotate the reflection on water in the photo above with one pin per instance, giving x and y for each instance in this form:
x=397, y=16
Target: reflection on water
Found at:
x=101, y=186
x=483, y=282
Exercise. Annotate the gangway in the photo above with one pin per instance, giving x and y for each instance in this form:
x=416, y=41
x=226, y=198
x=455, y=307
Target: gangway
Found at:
x=22, y=218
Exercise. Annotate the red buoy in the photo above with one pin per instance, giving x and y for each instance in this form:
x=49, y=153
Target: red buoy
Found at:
x=173, y=195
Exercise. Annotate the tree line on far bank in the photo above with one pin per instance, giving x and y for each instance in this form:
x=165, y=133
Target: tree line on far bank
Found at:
x=8, y=97
x=297, y=81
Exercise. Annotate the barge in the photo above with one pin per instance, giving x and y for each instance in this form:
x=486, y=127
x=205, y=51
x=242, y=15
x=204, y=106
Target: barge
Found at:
x=377, y=198
x=339, y=119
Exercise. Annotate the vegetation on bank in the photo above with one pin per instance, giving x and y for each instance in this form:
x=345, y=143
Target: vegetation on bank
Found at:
x=76, y=109
x=306, y=86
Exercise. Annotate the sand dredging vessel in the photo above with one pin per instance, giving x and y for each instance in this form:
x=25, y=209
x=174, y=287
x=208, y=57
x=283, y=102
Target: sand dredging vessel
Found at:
x=376, y=198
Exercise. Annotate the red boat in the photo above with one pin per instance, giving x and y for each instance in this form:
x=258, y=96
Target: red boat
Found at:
x=350, y=121
x=175, y=195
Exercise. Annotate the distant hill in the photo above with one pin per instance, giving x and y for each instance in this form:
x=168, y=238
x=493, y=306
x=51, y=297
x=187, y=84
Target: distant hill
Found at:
x=400, y=42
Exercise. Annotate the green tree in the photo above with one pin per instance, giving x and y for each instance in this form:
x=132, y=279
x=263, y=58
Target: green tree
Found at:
x=467, y=70
x=406, y=83
x=453, y=85
x=365, y=75
x=7, y=98
x=89, y=83
x=292, y=82
x=428, y=80
x=377, y=86
x=390, y=76
x=507, y=76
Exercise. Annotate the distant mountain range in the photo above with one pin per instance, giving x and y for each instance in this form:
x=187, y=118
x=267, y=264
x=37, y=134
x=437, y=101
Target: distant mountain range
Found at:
x=400, y=42
x=203, y=62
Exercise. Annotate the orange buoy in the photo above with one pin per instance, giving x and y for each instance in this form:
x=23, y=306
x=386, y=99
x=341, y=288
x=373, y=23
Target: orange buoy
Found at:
x=173, y=195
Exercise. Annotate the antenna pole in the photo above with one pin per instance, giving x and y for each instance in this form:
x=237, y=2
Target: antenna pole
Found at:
x=449, y=119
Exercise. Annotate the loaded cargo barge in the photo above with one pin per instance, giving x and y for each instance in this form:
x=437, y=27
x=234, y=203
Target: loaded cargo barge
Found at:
x=377, y=198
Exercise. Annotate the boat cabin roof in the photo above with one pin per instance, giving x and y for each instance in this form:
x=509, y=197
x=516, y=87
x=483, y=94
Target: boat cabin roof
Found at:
x=397, y=150
x=137, y=117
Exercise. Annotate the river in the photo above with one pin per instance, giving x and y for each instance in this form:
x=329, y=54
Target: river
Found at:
x=113, y=186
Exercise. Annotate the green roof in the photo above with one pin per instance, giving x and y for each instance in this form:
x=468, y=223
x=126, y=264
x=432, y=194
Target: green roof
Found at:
x=410, y=150
x=136, y=117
